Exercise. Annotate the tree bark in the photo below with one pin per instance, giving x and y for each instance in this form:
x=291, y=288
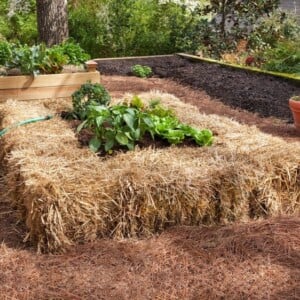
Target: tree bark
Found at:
x=52, y=19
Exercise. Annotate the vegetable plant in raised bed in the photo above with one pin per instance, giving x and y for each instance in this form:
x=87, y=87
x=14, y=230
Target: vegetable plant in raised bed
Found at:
x=126, y=124
x=36, y=71
x=141, y=71
x=39, y=59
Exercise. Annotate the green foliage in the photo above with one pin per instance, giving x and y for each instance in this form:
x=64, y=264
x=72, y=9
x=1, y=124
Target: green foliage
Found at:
x=26, y=58
x=283, y=58
x=52, y=59
x=19, y=25
x=40, y=59
x=22, y=28
x=92, y=17
x=124, y=125
x=141, y=71
x=35, y=59
x=109, y=28
x=75, y=54
x=89, y=94
x=132, y=27
x=5, y=52
x=232, y=20
x=279, y=26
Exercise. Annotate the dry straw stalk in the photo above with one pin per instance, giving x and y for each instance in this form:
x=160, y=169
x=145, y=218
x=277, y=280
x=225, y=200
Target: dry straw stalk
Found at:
x=66, y=194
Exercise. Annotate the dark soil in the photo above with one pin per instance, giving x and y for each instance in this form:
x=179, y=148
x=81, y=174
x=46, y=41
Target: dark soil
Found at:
x=265, y=95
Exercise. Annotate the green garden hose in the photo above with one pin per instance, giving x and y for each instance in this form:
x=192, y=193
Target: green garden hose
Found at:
x=33, y=120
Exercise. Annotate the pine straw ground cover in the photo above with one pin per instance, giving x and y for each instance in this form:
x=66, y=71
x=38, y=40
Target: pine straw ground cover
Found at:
x=256, y=260
x=67, y=195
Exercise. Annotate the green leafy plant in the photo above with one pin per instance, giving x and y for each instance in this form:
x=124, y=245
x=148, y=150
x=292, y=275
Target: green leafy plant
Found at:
x=75, y=54
x=231, y=22
x=284, y=58
x=52, y=60
x=113, y=126
x=40, y=59
x=27, y=59
x=124, y=125
x=133, y=27
x=278, y=26
x=5, y=53
x=89, y=94
x=141, y=71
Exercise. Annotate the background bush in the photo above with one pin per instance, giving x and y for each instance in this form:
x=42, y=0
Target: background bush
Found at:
x=132, y=27
x=109, y=28
x=284, y=57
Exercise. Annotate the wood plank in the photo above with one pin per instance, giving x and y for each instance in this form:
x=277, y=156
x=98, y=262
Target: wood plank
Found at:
x=51, y=80
x=38, y=93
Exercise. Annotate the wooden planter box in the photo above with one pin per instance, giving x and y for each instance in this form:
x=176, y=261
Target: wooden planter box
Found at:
x=28, y=87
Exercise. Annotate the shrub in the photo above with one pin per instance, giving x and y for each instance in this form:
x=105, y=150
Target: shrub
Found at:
x=141, y=71
x=18, y=21
x=230, y=22
x=75, y=54
x=5, y=53
x=132, y=27
x=284, y=57
x=277, y=27
x=89, y=94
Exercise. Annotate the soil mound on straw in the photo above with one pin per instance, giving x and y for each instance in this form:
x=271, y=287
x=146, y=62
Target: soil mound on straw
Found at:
x=69, y=195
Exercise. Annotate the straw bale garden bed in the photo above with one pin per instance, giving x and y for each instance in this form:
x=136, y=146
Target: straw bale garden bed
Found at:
x=241, y=194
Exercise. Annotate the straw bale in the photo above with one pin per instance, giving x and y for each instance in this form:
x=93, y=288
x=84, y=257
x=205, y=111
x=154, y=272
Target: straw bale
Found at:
x=68, y=195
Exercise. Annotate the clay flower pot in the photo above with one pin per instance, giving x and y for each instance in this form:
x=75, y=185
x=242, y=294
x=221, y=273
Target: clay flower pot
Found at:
x=294, y=104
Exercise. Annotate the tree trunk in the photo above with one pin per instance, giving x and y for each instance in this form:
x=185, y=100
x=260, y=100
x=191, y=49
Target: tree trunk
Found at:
x=52, y=19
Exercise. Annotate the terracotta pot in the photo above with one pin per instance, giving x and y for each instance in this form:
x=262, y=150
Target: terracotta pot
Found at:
x=295, y=108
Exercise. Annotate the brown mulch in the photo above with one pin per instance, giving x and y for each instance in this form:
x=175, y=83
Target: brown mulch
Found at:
x=257, y=260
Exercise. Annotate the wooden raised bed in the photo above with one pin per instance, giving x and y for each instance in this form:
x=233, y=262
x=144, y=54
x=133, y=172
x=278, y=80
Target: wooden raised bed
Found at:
x=28, y=87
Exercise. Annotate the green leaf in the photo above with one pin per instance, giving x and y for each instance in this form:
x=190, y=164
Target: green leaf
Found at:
x=131, y=111
x=109, y=145
x=136, y=134
x=174, y=136
x=204, y=137
x=128, y=135
x=94, y=144
x=130, y=146
x=99, y=121
x=81, y=126
x=148, y=121
x=129, y=120
x=137, y=102
x=122, y=138
x=98, y=108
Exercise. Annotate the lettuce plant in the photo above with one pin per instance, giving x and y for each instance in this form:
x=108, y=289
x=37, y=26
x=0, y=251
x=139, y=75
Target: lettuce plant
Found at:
x=124, y=125
x=141, y=71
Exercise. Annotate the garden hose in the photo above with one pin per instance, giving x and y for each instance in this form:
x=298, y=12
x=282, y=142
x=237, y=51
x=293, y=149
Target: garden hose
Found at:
x=33, y=120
